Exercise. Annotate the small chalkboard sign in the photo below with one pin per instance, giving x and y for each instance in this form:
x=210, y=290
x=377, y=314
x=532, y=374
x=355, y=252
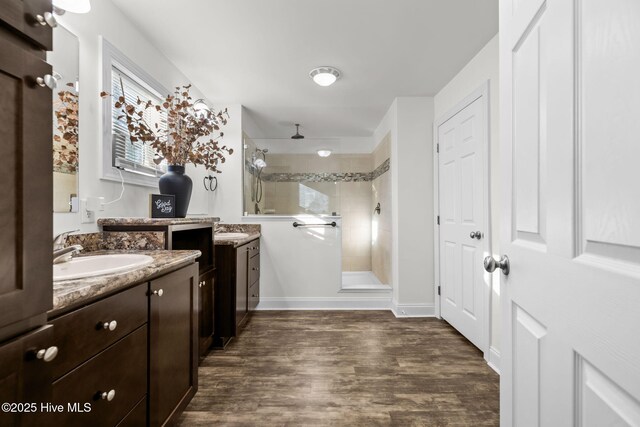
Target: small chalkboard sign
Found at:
x=162, y=205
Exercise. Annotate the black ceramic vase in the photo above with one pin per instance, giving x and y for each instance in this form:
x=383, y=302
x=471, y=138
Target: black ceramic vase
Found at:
x=177, y=183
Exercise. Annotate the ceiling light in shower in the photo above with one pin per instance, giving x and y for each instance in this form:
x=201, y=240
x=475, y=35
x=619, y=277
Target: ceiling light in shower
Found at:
x=325, y=152
x=297, y=135
x=325, y=76
x=73, y=6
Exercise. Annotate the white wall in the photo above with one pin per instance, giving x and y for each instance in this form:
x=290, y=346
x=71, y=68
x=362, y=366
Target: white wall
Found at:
x=409, y=121
x=106, y=20
x=483, y=67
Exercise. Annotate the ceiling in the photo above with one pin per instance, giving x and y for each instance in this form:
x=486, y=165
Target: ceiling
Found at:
x=258, y=53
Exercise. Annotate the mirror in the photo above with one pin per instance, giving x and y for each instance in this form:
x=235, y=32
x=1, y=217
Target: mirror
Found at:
x=65, y=60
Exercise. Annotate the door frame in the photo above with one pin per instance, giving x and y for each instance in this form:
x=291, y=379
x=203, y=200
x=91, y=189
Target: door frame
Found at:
x=480, y=92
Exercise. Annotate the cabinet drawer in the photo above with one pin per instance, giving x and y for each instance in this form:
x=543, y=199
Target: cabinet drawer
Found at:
x=122, y=368
x=137, y=417
x=254, y=296
x=253, y=248
x=254, y=269
x=82, y=334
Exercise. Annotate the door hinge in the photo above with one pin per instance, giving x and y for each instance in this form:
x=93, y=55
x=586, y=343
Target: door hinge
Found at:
x=437, y=148
x=438, y=219
x=438, y=289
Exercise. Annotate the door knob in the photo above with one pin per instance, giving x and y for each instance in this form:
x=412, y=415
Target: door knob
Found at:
x=476, y=235
x=490, y=264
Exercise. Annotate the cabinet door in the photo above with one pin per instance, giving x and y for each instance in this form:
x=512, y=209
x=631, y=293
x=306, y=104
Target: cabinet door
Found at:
x=23, y=15
x=173, y=352
x=241, y=283
x=205, y=317
x=26, y=175
x=25, y=378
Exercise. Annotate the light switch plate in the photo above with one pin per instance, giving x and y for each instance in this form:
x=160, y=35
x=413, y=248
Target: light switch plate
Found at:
x=86, y=217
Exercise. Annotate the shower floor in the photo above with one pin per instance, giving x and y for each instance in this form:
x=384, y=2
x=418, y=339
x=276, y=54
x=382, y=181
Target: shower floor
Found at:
x=362, y=280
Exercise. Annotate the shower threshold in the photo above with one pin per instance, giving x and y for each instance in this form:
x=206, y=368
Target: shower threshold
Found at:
x=358, y=281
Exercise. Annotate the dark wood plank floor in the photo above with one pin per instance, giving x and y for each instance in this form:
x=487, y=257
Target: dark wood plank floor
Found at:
x=345, y=368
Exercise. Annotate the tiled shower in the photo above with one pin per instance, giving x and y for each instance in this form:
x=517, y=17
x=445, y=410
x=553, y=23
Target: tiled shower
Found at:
x=351, y=186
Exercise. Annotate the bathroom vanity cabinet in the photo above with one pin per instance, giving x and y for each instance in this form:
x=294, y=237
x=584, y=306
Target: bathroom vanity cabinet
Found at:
x=27, y=173
x=25, y=217
x=237, y=288
x=184, y=233
x=127, y=352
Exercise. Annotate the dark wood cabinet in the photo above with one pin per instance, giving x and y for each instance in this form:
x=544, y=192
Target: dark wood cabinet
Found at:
x=25, y=376
x=173, y=344
x=27, y=18
x=27, y=181
x=186, y=236
x=236, y=288
x=205, y=318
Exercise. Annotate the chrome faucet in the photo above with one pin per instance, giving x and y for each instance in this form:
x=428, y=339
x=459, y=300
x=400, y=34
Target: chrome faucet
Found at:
x=65, y=254
x=62, y=253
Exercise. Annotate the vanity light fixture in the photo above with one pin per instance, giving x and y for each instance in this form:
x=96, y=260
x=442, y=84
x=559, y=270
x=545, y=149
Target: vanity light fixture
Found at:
x=73, y=6
x=325, y=75
x=324, y=152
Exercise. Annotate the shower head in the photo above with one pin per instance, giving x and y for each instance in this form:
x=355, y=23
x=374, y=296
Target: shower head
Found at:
x=297, y=135
x=258, y=162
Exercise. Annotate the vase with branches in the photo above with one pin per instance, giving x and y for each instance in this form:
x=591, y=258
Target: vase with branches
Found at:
x=189, y=135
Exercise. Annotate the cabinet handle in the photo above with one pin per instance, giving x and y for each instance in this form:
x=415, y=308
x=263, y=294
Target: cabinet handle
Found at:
x=108, y=395
x=47, y=19
x=111, y=326
x=47, y=81
x=255, y=268
x=159, y=292
x=47, y=354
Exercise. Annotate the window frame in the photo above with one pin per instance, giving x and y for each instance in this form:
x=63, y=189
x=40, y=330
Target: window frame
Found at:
x=112, y=57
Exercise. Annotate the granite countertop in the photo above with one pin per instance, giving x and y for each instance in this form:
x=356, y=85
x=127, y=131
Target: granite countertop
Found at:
x=156, y=221
x=236, y=242
x=70, y=293
x=253, y=231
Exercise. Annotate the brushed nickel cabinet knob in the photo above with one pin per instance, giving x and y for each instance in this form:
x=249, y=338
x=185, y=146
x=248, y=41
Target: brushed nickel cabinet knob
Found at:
x=47, y=19
x=108, y=395
x=158, y=292
x=47, y=354
x=110, y=326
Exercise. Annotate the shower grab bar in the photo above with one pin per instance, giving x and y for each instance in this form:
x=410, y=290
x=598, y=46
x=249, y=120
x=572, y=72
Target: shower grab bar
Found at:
x=328, y=224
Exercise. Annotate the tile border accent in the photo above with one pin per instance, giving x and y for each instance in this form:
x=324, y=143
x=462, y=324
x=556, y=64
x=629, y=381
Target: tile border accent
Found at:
x=323, y=176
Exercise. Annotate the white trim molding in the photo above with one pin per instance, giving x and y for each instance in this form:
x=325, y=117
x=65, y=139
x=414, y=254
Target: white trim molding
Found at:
x=493, y=359
x=412, y=310
x=310, y=303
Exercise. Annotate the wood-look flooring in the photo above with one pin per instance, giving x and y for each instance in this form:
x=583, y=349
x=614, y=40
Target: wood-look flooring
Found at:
x=345, y=368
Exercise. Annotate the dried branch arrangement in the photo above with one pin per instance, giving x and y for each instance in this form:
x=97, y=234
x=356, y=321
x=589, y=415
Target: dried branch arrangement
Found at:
x=65, y=137
x=189, y=136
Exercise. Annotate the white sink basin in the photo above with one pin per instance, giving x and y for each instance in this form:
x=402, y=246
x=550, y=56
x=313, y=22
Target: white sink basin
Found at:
x=98, y=265
x=231, y=236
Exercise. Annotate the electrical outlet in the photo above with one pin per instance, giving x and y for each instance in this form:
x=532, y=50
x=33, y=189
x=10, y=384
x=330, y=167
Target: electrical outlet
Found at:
x=86, y=217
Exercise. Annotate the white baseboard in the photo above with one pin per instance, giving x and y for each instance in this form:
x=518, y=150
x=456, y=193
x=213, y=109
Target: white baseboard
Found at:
x=493, y=359
x=304, y=303
x=413, y=310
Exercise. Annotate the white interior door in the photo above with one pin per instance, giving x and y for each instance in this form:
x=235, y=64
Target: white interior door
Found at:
x=570, y=120
x=463, y=221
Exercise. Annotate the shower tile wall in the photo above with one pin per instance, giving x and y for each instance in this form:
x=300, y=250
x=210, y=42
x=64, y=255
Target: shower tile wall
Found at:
x=381, y=224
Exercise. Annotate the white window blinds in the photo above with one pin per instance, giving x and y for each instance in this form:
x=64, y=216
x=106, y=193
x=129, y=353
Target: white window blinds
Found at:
x=134, y=157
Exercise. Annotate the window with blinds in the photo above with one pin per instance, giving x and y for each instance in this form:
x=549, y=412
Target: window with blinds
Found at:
x=134, y=157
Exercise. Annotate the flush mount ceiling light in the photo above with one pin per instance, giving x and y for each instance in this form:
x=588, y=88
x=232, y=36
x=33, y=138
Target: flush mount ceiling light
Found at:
x=297, y=135
x=325, y=76
x=73, y=6
x=201, y=109
x=324, y=152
